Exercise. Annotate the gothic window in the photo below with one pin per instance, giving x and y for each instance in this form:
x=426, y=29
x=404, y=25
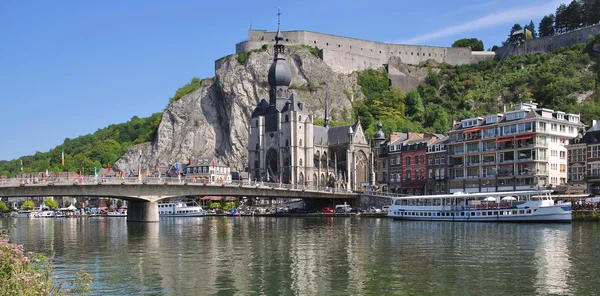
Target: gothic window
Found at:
x=287, y=119
x=300, y=142
x=300, y=162
x=256, y=165
x=300, y=106
x=279, y=93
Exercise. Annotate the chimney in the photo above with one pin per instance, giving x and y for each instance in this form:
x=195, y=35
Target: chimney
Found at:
x=504, y=108
x=594, y=122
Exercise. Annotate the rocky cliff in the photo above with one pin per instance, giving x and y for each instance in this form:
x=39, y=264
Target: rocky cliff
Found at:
x=213, y=120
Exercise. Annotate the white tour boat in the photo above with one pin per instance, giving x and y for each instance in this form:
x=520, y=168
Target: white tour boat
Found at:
x=179, y=209
x=515, y=206
x=118, y=213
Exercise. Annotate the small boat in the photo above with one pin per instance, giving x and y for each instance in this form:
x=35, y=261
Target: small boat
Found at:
x=180, y=209
x=25, y=214
x=515, y=206
x=46, y=214
x=117, y=213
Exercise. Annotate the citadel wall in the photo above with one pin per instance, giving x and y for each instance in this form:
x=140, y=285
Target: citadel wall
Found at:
x=548, y=43
x=345, y=55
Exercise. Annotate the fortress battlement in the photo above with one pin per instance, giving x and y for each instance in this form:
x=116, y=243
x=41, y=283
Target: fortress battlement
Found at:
x=345, y=54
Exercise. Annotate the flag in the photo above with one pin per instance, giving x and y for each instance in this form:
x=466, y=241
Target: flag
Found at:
x=109, y=167
x=213, y=163
x=21, y=164
x=177, y=168
x=62, y=158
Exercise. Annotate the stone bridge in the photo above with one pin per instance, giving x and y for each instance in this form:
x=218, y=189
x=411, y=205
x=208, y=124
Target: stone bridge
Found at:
x=143, y=194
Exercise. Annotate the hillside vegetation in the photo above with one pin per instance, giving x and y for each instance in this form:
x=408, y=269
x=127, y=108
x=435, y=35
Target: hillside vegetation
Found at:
x=554, y=80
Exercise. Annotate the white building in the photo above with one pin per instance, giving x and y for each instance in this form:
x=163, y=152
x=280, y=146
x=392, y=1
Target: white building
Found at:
x=515, y=150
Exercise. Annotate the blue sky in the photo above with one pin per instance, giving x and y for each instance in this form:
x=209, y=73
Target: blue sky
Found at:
x=68, y=68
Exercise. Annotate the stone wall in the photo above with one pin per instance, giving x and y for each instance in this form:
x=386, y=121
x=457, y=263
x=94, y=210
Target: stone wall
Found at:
x=549, y=43
x=346, y=55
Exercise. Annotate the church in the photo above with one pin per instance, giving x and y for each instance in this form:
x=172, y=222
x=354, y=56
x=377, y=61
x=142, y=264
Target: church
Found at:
x=284, y=145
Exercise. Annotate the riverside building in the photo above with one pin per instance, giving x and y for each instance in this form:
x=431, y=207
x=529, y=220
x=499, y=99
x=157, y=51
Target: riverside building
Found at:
x=521, y=149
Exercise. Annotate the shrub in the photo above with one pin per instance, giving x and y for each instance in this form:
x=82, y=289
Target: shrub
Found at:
x=26, y=273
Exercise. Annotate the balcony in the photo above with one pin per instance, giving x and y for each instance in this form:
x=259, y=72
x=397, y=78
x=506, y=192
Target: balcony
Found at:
x=456, y=165
x=473, y=151
x=507, y=161
x=489, y=149
x=505, y=174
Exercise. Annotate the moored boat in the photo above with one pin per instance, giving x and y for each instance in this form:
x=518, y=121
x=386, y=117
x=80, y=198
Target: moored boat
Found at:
x=180, y=209
x=118, y=213
x=515, y=206
x=25, y=214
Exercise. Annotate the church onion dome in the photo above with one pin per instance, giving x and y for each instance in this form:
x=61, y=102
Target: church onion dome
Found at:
x=280, y=74
x=379, y=135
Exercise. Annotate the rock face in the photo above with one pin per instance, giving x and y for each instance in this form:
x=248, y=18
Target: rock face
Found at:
x=213, y=120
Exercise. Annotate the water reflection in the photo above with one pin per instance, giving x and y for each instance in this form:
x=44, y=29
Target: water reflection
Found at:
x=257, y=255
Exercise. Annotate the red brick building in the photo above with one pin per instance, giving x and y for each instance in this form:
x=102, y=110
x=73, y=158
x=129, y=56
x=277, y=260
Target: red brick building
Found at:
x=414, y=165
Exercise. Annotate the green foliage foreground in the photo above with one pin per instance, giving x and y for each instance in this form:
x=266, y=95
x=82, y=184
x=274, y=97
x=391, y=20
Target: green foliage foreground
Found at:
x=26, y=273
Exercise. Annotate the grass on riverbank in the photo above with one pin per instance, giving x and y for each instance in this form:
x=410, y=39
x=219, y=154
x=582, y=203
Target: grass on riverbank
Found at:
x=27, y=273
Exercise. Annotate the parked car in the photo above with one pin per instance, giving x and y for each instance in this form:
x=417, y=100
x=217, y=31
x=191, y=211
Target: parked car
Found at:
x=357, y=210
x=342, y=209
x=327, y=210
x=373, y=210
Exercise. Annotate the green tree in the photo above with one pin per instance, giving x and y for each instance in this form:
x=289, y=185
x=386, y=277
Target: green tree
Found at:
x=414, y=104
x=472, y=43
x=119, y=203
x=52, y=204
x=28, y=205
x=561, y=19
x=546, y=27
x=4, y=208
x=573, y=15
x=436, y=119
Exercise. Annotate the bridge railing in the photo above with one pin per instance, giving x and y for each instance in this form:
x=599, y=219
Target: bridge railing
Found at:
x=61, y=181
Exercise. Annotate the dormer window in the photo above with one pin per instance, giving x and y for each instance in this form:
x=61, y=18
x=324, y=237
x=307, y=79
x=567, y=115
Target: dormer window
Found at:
x=491, y=119
x=516, y=115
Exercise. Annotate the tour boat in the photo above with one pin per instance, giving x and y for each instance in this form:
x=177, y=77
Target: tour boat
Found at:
x=117, y=213
x=179, y=209
x=515, y=206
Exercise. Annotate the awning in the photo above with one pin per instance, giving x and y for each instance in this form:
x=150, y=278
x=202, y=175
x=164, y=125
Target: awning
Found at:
x=504, y=140
x=470, y=130
x=524, y=137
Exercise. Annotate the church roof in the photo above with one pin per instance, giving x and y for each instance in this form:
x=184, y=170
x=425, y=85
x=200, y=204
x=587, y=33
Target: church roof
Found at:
x=320, y=135
x=339, y=134
x=261, y=108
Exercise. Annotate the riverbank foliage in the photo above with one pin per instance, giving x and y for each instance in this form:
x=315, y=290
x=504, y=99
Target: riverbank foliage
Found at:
x=99, y=149
x=27, y=273
x=554, y=80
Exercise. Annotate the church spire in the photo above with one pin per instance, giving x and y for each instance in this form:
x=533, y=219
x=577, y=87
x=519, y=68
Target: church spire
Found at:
x=326, y=119
x=279, y=48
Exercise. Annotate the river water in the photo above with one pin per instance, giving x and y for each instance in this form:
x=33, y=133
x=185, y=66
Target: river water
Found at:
x=318, y=256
